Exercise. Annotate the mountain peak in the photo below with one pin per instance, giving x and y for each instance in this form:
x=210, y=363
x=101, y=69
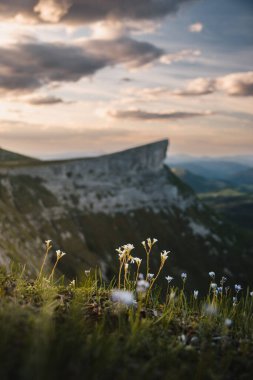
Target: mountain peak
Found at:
x=149, y=156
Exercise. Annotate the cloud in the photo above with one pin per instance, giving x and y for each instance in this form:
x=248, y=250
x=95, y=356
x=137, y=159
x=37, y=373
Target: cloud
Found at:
x=149, y=116
x=125, y=50
x=199, y=86
x=45, y=100
x=28, y=66
x=235, y=84
x=88, y=11
x=183, y=55
x=52, y=10
x=238, y=84
x=196, y=28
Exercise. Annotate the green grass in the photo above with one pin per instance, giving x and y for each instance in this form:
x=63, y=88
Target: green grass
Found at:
x=50, y=329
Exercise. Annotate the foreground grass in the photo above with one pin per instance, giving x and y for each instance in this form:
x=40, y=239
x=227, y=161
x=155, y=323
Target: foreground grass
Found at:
x=50, y=330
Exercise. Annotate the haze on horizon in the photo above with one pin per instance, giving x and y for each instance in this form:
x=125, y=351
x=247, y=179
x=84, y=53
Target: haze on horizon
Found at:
x=83, y=77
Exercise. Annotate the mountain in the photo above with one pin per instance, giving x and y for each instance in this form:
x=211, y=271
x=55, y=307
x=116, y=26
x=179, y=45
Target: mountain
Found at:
x=90, y=206
x=231, y=198
x=8, y=158
x=244, y=177
x=198, y=183
x=210, y=169
x=246, y=160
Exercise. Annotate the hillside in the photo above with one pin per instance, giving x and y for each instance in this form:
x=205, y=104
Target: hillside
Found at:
x=9, y=159
x=231, y=198
x=90, y=206
x=198, y=183
x=243, y=178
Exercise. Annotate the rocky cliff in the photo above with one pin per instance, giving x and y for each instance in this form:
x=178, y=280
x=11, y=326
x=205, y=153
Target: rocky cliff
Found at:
x=90, y=206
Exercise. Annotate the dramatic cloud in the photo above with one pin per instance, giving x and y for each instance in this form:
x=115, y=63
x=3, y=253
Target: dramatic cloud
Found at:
x=196, y=28
x=87, y=11
x=124, y=50
x=144, y=115
x=29, y=66
x=236, y=84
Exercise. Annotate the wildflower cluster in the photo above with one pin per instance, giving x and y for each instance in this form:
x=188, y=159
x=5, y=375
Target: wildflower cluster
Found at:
x=59, y=256
x=141, y=286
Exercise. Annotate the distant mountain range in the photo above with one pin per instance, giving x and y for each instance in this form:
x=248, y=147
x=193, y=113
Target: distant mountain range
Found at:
x=198, y=183
x=90, y=206
x=226, y=187
x=246, y=160
x=213, y=169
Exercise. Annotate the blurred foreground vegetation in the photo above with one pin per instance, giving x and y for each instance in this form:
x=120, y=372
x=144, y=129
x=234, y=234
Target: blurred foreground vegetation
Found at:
x=53, y=330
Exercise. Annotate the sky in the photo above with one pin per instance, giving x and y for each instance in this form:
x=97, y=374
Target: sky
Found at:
x=86, y=77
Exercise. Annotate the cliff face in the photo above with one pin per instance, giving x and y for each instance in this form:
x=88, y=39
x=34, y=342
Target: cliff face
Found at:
x=113, y=183
x=90, y=206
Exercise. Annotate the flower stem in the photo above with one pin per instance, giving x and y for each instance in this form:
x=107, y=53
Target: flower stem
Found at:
x=44, y=262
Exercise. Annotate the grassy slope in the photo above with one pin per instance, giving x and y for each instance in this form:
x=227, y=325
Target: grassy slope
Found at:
x=9, y=159
x=54, y=331
x=235, y=205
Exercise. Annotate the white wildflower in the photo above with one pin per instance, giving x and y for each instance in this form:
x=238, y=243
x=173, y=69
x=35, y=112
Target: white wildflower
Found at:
x=150, y=276
x=60, y=254
x=149, y=242
x=251, y=294
x=195, y=294
x=142, y=286
x=123, y=297
x=164, y=256
x=213, y=285
x=212, y=275
x=184, y=276
x=182, y=338
x=228, y=322
x=238, y=288
x=128, y=247
x=169, y=278
x=48, y=243
x=138, y=260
